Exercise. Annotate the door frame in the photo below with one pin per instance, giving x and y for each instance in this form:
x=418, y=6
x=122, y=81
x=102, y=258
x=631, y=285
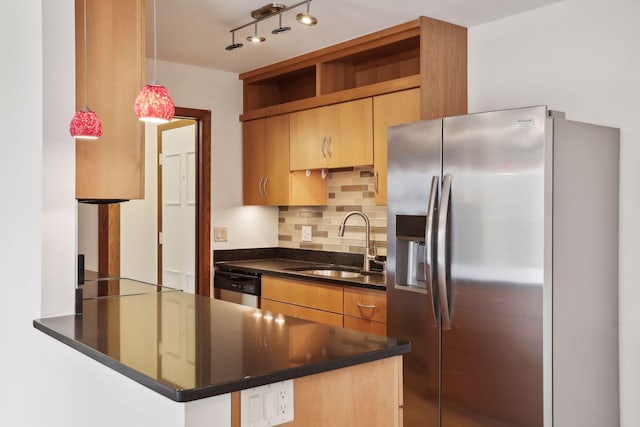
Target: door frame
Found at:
x=109, y=217
x=203, y=196
x=159, y=202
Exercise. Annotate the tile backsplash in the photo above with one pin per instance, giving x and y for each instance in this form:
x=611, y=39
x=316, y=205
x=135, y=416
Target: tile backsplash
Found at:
x=350, y=190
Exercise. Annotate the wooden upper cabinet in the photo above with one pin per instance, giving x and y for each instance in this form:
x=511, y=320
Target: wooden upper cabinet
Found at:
x=266, y=161
x=334, y=136
x=424, y=53
x=265, y=166
x=111, y=167
x=389, y=110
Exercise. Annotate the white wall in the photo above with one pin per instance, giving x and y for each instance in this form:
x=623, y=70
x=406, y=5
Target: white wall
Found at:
x=580, y=57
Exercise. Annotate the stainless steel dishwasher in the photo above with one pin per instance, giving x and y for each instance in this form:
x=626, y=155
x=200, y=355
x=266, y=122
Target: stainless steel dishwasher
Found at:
x=240, y=288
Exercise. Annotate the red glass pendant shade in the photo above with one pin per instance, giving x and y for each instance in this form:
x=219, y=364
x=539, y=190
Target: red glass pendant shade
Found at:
x=154, y=104
x=85, y=124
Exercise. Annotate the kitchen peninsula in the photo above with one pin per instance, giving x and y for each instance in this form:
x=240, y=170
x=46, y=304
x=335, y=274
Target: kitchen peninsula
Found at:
x=201, y=352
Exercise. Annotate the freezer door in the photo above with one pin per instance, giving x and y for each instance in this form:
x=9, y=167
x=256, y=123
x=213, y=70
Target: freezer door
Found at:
x=414, y=154
x=492, y=370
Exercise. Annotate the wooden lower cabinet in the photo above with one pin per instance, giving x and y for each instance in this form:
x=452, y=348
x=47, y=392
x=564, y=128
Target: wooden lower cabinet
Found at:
x=362, y=325
x=366, y=395
x=364, y=310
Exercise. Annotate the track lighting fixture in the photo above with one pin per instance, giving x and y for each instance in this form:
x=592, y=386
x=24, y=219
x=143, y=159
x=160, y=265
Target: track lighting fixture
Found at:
x=268, y=11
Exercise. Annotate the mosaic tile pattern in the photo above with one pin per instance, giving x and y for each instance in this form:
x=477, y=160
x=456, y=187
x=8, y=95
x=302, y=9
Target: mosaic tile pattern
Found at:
x=349, y=190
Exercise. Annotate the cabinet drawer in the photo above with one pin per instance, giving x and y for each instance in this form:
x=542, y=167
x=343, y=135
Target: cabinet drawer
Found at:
x=321, y=297
x=302, y=312
x=363, y=325
x=369, y=305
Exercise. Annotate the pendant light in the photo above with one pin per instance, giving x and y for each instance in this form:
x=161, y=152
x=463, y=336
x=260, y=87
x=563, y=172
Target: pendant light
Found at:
x=85, y=124
x=153, y=103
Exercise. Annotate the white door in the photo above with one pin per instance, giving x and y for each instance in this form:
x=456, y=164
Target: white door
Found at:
x=177, y=202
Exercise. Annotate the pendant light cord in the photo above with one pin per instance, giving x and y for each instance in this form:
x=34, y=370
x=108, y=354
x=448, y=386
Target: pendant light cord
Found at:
x=84, y=21
x=155, y=43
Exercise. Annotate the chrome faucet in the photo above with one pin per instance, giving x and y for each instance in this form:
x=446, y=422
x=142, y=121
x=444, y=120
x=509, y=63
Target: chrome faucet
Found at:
x=367, y=254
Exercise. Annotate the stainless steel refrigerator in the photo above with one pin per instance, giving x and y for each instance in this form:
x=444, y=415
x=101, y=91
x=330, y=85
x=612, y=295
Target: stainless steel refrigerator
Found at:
x=502, y=269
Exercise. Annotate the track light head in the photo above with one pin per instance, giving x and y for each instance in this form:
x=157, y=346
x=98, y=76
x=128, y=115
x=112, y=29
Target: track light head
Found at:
x=255, y=38
x=233, y=44
x=280, y=28
x=306, y=18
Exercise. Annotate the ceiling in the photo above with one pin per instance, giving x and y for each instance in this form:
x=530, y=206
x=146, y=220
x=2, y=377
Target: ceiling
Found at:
x=196, y=32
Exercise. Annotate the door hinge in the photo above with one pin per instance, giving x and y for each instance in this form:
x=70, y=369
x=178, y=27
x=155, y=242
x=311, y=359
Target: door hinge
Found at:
x=159, y=159
x=160, y=240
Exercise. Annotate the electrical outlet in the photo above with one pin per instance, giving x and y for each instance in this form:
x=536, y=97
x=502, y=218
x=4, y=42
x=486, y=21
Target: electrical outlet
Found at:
x=306, y=233
x=219, y=234
x=267, y=406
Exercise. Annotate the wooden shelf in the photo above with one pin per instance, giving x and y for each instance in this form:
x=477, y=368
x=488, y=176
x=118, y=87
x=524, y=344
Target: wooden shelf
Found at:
x=280, y=89
x=384, y=63
x=382, y=88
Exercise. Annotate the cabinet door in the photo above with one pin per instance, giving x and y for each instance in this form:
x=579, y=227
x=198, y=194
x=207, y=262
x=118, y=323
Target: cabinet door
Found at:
x=368, y=326
x=308, y=140
x=389, y=110
x=113, y=166
x=276, y=160
x=303, y=293
x=365, y=304
x=253, y=153
x=265, y=161
x=349, y=131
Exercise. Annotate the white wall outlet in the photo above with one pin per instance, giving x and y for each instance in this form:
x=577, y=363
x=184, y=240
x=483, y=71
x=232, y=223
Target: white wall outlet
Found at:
x=268, y=405
x=219, y=234
x=306, y=233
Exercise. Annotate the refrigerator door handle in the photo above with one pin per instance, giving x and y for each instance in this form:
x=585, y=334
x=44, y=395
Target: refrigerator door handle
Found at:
x=429, y=251
x=442, y=254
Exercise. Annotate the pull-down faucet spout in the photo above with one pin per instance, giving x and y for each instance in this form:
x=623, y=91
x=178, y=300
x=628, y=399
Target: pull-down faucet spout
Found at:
x=367, y=254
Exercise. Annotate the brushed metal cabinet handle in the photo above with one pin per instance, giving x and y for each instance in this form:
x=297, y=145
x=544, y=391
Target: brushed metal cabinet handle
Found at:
x=330, y=148
x=366, y=305
x=260, y=187
x=266, y=182
x=322, y=147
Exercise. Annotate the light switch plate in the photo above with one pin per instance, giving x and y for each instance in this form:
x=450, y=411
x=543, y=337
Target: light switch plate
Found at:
x=219, y=234
x=268, y=405
x=306, y=233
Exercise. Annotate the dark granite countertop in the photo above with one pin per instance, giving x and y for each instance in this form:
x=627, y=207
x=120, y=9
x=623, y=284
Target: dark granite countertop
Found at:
x=290, y=268
x=189, y=347
x=104, y=287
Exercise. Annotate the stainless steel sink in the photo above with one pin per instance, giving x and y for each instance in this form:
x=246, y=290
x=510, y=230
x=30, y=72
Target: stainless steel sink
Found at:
x=343, y=274
x=329, y=271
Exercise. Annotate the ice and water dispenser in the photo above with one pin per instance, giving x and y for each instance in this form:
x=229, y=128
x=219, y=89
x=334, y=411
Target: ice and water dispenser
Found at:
x=410, y=251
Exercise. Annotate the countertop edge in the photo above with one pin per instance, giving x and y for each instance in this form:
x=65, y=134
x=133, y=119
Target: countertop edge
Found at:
x=231, y=265
x=119, y=367
x=218, y=389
